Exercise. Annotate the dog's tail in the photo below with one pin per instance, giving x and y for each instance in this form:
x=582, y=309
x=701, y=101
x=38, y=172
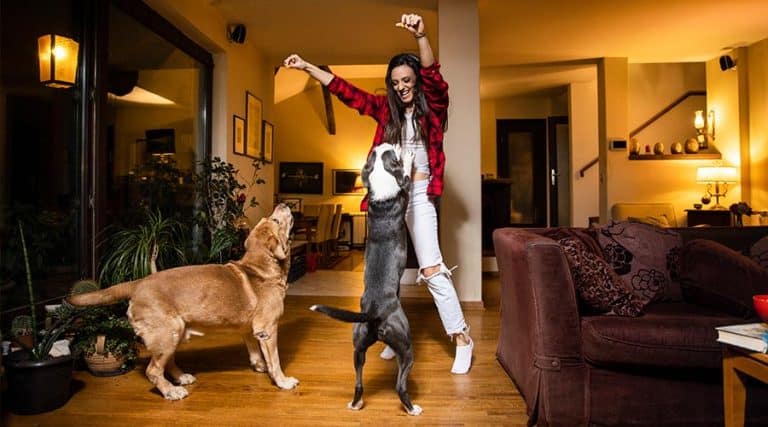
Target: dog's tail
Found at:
x=339, y=314
x=106, y=296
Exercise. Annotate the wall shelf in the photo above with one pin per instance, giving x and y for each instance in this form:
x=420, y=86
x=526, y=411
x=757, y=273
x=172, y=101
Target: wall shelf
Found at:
x=709, y=154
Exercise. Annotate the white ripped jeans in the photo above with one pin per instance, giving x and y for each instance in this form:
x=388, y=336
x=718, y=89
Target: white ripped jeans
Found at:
x=421, y=218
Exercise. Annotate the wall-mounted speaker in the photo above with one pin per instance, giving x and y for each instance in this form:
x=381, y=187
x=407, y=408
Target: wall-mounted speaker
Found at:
x=236, y=33
x=727, y=62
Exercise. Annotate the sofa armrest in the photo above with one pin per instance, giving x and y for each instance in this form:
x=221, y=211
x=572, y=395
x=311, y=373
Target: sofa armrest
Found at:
x=540, y=343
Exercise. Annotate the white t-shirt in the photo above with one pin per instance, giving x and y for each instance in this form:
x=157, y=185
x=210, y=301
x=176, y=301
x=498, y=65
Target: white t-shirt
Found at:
x=412, y=141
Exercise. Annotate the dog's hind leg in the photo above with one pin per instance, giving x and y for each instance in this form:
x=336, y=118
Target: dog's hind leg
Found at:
x=161, y=342
x=405, y=362
x=363, y=337
x=254, y=353
x=181, y=377
x=396, y=333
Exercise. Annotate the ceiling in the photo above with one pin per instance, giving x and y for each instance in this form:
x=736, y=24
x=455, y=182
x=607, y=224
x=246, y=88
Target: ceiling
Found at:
x=525, y=46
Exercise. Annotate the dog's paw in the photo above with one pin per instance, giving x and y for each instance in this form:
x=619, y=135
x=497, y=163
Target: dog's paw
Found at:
x=408, y=156
x=185, y=379
x=415, y=411
x=288, y=383
x=175, y=393
x=398, y=149
x=355, y=406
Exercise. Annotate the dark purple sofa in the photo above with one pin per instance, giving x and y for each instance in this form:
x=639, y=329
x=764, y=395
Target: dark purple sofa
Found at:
x=662, y=368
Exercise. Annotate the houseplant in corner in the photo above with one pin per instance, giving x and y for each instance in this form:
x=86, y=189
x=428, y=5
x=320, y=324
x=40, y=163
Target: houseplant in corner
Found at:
x=38, y=380
x=104, y=336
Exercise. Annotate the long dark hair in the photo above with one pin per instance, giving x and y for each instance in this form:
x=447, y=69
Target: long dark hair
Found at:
x=394, y=127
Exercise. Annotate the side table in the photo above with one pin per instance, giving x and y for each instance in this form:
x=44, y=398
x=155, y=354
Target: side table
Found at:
x=734, y=391
x=714, y=217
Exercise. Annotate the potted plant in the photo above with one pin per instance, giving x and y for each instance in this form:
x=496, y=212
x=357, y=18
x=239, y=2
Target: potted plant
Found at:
x=104, y=336
x=133, y=253
x=39, y=378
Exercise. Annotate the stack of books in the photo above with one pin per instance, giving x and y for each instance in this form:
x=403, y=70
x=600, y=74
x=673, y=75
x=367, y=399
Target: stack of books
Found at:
x=752, y=336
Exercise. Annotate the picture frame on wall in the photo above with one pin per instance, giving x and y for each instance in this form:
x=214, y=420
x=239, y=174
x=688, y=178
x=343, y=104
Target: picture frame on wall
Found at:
x=238, y=135
x=301, y=178
x=253, y=118
x=347, y=182
x=267, y=138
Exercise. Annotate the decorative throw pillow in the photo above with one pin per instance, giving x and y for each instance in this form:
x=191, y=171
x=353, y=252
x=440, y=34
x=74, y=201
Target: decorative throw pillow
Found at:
x=645, y=257
x=658, y=221
x=714, y=275
x=759, y=252
x=598, y=287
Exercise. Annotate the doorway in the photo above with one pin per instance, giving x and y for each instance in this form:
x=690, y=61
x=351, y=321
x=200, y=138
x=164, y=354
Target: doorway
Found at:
x=533, y=157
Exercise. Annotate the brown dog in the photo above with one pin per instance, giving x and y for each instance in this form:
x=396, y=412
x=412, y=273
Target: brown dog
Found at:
x=246, y=294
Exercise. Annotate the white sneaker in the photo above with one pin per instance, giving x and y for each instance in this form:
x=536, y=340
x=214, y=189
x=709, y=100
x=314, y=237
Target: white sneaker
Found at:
x=463, y=359
x=387, y=353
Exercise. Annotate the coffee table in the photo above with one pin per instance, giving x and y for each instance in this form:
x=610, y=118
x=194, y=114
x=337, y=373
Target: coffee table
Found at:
x=734, y=391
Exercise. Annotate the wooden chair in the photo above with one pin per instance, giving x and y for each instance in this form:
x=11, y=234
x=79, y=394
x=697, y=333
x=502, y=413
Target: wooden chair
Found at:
x=333, y=236
x=319, y=238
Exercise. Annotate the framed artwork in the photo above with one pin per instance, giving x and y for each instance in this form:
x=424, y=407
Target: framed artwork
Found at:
x=347, y=182
x=267, y=138
x=238, y=135
x=293, y=203
x=253, y=111
x=301, y=178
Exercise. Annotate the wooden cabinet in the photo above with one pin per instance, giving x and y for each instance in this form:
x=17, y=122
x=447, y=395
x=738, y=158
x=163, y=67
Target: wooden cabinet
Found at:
x=715, y=217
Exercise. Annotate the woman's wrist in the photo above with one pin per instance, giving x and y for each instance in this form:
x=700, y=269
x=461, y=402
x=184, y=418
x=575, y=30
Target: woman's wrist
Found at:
x=419, y=35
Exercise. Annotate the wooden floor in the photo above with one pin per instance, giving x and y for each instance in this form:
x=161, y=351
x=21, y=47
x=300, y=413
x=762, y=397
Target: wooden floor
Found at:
x=318, y=352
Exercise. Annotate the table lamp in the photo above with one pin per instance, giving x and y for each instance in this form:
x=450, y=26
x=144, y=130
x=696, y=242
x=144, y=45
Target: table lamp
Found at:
x=717, y=179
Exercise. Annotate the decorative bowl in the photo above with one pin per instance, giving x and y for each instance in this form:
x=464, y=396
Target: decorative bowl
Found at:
x=761, y=306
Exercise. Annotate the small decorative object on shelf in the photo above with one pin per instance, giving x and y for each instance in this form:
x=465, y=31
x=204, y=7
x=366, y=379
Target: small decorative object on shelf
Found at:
x=691, y=146
x=676, y=148
x=647, y=149
x=658, y=148
x=739, y=210
x=634, y=146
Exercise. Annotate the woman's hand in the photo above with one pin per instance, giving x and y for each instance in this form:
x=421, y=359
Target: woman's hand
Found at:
x=295, y=61
x=412, y=23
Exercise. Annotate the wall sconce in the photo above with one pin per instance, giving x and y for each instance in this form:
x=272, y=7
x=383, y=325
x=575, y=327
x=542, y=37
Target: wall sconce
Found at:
x=705, y=127
x=717, y=178
x=58, y=60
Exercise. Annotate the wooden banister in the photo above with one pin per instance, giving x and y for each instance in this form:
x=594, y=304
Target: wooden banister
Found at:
x=587, y=166
x=666, y=109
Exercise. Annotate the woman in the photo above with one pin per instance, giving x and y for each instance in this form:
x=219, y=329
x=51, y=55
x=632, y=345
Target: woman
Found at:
x=413, y=114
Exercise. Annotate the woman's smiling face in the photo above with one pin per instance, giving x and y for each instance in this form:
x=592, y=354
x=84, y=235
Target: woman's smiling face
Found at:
x=403, y=82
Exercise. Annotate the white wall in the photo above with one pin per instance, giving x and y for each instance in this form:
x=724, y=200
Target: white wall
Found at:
x=584, y=147
x=460, y=229
x=758, y=129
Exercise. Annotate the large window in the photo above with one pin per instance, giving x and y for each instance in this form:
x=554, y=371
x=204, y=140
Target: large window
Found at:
x=73, y=165
x=40, y=153
x=155, y=135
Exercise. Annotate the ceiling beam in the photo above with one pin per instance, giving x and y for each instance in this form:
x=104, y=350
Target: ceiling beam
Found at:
x=330, y=118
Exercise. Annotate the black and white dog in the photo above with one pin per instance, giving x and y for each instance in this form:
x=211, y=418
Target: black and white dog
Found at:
x=386, y=174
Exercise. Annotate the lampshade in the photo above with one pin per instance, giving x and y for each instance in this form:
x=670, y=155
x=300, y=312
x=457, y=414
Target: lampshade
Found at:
x=716, y=174
x=58, y=60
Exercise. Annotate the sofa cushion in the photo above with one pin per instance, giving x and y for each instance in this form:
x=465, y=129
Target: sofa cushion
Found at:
x=668, y=334
x=716, y=276
x=598, y=287
x=644, y=256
